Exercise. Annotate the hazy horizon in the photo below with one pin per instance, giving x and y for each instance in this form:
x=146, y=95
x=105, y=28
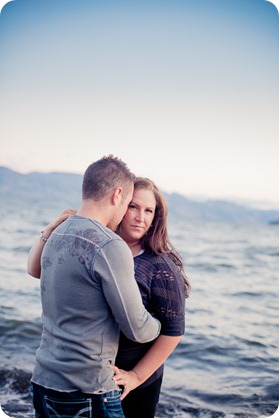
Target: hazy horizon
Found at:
x=262, y=205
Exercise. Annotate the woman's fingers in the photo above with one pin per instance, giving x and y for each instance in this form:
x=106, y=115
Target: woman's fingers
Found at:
x=125, y=392
x=127, y=380
x=115, y=369
x=121, y=377
x=57, y=221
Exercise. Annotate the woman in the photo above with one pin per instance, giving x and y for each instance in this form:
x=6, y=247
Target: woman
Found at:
x=163, y=286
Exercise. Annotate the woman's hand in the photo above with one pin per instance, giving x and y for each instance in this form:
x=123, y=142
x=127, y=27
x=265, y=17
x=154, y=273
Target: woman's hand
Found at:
x=129, y=380
x=57, y=221
x=34, y=257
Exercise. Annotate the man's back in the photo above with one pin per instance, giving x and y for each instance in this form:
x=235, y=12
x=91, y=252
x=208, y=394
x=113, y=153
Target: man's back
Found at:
x=85, y=268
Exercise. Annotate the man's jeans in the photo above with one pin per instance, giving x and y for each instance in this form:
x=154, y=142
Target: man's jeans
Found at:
x=52, y=404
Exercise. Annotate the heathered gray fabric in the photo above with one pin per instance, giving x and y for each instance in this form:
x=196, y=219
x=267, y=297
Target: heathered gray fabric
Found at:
x=88, y=294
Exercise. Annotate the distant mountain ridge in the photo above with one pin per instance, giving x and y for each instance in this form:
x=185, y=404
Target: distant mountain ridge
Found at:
x=62, y=190
x=49, y=189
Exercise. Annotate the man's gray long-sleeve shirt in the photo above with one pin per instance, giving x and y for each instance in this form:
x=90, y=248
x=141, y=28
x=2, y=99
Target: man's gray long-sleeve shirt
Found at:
x=88, y=295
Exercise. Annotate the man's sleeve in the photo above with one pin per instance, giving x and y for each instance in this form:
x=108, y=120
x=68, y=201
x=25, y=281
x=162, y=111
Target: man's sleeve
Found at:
x=115, y=267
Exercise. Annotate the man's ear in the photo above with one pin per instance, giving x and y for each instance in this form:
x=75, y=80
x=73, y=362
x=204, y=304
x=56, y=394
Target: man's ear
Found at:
x=117, y=196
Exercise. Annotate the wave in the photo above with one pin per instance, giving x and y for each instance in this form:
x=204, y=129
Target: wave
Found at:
x=15, y=394
x=16, y=400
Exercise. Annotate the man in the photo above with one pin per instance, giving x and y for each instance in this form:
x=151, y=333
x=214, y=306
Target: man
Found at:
x=88, y=294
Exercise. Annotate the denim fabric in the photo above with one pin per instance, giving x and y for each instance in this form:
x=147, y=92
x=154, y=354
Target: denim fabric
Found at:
x=52, y=404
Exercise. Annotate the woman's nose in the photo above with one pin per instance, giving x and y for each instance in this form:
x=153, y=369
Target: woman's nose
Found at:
x=140, y=217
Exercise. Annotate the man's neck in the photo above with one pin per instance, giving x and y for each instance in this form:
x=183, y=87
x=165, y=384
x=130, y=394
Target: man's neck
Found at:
x=94, y=210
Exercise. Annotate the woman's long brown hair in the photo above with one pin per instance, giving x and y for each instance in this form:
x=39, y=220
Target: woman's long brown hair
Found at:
x=157, y=238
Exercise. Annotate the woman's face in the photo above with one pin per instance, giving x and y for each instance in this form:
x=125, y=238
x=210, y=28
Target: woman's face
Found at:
x=139, y=216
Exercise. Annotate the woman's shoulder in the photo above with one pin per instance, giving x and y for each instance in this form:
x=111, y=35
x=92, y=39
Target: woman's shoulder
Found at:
x=164, y=259
x=152, y=257
x=161, y=261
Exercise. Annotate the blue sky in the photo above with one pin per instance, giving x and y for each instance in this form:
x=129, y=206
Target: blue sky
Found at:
x=185, y=91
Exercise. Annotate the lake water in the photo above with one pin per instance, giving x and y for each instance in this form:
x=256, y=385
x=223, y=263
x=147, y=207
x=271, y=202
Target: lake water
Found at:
x=227, y=362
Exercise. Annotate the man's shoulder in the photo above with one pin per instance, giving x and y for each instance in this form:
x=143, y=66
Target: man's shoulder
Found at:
x=88, y=229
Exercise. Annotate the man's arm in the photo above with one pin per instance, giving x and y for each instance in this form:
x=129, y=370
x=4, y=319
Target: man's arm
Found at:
x=115, y=266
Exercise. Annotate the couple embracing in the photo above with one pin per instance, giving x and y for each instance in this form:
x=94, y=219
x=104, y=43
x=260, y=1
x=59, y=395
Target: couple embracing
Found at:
x=113, y=292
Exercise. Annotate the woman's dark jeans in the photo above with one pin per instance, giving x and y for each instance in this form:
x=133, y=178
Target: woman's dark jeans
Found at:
x=52, y=404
